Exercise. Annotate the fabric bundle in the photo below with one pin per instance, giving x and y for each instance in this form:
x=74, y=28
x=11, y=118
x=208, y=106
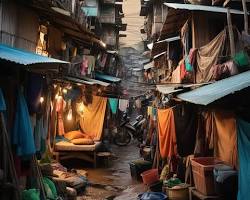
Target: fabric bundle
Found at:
x=123, y=104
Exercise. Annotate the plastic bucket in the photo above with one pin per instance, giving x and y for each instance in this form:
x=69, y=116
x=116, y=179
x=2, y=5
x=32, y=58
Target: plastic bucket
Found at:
x=150, y=176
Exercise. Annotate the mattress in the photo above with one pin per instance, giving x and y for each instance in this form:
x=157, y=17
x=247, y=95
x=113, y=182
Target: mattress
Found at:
x=68, y=146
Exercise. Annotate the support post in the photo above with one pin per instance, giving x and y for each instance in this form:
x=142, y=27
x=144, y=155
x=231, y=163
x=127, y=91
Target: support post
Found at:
x=231, y=33
x=244, y=5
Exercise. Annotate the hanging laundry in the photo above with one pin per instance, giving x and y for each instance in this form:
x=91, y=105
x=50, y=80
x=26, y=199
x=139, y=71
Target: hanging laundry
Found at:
x=138, y=103
x=113, y=103
x=243, y=132
x=150, y=111
x=38, y=133
x=60, y=106
x=84, y=66
x=225, y=70
x=104, y=60
x=123, y=104
x=167, y=134
x=207, y=57
x=22, y=136
x=91, y=63
x=2, y=101
x=176, y=75
x=225, y=138
x=185, y=125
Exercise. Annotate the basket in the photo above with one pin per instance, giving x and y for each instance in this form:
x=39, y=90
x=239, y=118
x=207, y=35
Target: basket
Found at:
x=150, y=176
x=177, y=193
x=202, y=169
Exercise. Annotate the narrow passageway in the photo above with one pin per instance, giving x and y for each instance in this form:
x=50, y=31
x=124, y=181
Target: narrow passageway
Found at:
x=114, y=181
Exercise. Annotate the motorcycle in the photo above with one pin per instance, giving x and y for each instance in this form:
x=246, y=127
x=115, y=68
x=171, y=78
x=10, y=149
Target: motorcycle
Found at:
x=129, y=130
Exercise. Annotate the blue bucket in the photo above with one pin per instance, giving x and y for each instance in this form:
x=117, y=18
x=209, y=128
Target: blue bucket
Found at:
x=152, y=196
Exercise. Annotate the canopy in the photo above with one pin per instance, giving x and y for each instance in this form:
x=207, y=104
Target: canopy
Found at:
x=210, y=93
x=24, y=57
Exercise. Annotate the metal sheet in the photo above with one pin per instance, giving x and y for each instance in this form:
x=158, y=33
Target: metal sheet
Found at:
x=164, y=89
x=24, y=57
x=210, y=93
x=107, y=78
x=202, y=8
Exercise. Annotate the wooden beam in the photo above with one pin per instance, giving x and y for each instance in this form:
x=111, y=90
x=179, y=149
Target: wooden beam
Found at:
x=231, y=33
x=244, y=5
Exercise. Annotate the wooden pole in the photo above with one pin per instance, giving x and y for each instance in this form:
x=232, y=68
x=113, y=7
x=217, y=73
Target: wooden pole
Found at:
x=244, y=5
x=231, y=33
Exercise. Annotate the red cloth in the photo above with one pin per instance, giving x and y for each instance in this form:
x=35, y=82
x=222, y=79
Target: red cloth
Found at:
x=183, y=70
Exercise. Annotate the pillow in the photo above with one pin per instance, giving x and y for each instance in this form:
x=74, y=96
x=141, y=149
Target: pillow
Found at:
x=73, y=135
x=83, y=141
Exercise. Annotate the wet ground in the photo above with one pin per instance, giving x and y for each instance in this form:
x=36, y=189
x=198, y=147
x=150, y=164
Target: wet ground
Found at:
x=114, y=181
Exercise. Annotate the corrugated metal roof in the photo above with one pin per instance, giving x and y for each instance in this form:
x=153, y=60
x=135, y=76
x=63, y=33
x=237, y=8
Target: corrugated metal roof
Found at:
x=202, y=8
x=107, y=77
x=210, y=93
x=24, y=57
x=97, y=82
x=166, y=89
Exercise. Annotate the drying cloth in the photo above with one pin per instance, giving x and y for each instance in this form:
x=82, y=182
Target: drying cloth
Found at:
x=2, y=101
x=60, y=106
x=225, y=139
x=138, y=103
x=243, y=131
x=93, y=117
x=22, y=135
x=225, y=70
x=91, y=63
x=185, y=118
x=176, y=75
x=167, y=135
x=207, y=56
x=150, y=113
x=113, y=103
x=123, y=104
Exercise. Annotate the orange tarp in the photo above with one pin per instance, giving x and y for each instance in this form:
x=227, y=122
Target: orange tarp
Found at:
x=167, y=135
x=93, y=117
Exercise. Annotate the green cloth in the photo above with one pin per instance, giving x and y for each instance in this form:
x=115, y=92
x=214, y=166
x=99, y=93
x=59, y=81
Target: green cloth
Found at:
x=31, y=194
x=50, y=188
x=241, y=59
x=113, y=103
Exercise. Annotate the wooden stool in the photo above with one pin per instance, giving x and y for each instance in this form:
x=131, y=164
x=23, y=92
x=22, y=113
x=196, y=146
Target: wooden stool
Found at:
x=194, y=193
x=105, y=156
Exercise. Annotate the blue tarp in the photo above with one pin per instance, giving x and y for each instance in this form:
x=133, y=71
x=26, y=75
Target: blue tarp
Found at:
x=243, y=129
x=22, y=136
x=24, y=57
x=2, y=102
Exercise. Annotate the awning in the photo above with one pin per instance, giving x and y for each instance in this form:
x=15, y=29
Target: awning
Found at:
x=24, y=57
x=108, y=78
x=148, y=66
x=86, y=81
x=210, y=93
x=202, y=8
x=168, y=89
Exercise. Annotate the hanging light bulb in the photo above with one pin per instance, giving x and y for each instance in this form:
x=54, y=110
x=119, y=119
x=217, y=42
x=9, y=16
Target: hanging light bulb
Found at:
x=41, y=99
x=69, y=116
x=81, y=107
x=57, y=96
x=65, y=90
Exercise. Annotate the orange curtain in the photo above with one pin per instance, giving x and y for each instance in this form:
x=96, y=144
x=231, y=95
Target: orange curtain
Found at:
x=93, y=117
x=167, y=135
x=225, y=141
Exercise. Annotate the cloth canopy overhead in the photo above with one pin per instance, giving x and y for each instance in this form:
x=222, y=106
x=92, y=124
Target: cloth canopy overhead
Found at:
x=24, y=57
x=210, y=93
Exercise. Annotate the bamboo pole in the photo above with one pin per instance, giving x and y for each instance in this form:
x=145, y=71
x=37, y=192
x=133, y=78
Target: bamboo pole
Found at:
x=230, y=31
x=244, y=5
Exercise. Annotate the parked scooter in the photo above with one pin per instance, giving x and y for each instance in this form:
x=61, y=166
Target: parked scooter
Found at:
x=129, y=130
